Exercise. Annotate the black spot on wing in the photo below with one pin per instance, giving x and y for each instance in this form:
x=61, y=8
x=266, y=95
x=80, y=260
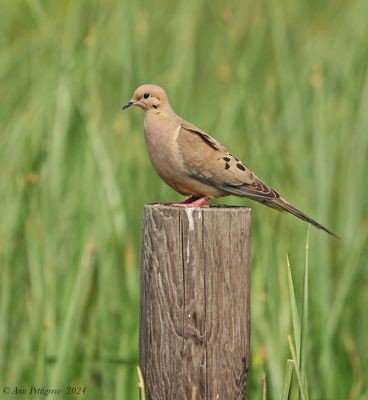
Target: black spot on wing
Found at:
x=227, y=166
x=240, y=166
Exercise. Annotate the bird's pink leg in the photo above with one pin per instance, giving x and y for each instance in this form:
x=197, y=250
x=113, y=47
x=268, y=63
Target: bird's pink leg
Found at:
x=195, y=202
x=189, y=200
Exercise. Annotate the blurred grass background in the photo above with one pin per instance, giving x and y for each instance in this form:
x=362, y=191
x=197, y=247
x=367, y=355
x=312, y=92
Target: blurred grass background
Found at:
x=283, y=84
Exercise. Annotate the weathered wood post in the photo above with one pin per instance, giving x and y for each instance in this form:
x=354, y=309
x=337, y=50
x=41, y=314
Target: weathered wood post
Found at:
x=195, y=305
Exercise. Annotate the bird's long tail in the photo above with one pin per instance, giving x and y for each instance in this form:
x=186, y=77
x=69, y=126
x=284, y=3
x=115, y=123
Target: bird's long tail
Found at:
x=282, y=205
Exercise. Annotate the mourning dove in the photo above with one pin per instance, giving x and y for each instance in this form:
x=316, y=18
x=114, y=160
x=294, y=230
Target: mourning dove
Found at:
x=196, y=165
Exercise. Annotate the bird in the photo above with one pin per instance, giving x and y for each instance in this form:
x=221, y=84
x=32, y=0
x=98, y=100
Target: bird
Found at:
x=196, y=165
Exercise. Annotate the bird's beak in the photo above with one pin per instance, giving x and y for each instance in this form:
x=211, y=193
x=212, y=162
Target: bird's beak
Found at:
x=127, y=105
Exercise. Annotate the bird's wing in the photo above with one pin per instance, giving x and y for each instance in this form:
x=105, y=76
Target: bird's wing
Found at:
x=190, y=128
x=207, y=161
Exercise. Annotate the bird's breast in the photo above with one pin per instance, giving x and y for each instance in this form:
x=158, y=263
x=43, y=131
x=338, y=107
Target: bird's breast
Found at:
x=163, y=152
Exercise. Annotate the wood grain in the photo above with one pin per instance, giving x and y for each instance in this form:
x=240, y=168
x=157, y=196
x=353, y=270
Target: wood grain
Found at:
x=195, y=309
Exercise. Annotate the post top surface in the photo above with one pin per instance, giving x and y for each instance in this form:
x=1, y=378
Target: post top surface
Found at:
x=212, y=208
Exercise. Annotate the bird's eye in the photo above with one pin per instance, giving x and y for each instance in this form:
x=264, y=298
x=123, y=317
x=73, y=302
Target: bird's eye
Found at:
x=146, y=95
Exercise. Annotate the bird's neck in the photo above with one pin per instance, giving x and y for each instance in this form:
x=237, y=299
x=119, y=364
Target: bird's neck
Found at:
x=163, y=108
x=159, y=113
x=155, y=122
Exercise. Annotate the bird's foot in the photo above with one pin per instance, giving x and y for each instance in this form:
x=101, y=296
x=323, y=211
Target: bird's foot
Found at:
x=191, y=202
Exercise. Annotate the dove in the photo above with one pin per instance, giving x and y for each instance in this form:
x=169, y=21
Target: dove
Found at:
x=195, y=164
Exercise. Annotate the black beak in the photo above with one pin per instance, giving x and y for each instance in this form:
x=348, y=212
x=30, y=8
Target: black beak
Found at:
x=127, y=105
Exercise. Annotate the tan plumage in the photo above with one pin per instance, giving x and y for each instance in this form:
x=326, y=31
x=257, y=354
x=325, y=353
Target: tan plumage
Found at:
x=194, y=164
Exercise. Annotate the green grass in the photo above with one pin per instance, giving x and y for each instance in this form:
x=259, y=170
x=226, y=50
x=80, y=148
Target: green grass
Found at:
x=283, y=84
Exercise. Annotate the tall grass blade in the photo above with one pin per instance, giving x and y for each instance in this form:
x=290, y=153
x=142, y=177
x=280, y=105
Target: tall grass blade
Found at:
x=141, y=388
x=294, y=310
x=297, y=370
x=288, y=379
x=304, y=319
x=264, y=387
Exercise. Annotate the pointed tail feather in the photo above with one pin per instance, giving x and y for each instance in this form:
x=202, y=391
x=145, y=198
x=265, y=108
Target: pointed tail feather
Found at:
x=282, y=205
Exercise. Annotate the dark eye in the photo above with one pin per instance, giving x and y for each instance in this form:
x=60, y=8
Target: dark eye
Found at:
x=146, y=95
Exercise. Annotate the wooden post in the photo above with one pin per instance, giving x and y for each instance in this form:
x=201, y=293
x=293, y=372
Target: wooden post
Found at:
x=195, y=306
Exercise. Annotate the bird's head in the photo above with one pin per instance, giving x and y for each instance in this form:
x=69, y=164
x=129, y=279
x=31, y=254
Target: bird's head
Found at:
x=148, y=97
